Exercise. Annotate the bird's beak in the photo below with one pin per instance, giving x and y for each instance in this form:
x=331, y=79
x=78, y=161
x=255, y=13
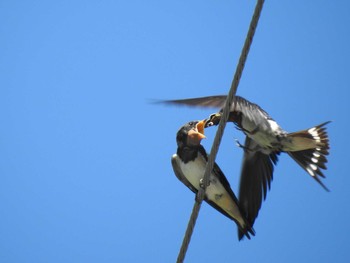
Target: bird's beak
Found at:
x=196, y=134
x=213, y=119
x=200, y=129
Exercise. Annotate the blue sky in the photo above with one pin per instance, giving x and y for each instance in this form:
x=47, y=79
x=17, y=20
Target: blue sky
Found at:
x=85, y=173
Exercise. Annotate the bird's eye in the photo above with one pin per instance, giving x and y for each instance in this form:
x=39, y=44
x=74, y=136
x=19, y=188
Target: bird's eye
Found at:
x=190, y=123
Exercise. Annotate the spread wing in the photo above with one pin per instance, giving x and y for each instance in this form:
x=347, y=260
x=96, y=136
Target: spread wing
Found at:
x=256, y=177
x=210, y=101
x=249, y=110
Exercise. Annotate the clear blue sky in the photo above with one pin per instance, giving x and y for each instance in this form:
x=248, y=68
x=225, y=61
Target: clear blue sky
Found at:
x=85, y=173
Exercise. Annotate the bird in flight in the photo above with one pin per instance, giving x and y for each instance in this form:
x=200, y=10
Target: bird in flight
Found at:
x=265, y=140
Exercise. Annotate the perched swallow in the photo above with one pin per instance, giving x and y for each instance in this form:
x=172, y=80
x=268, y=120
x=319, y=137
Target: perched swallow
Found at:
x=265, y=140
x=189, y=164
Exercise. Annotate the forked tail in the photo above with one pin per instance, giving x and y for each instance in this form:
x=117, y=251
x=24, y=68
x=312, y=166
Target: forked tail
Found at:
x=310, y=150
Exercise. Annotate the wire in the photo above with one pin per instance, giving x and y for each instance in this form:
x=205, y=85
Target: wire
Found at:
x=220, y=131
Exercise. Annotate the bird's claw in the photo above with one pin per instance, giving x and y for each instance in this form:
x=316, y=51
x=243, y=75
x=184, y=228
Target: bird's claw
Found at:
x=241, y=145
x=201, y=183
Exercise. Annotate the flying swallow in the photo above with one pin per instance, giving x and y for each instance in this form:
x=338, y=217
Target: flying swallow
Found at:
x=265, y=140
x=189, y=164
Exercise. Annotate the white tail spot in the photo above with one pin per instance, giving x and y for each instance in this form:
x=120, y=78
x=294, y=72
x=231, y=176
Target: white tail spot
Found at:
x=314, y=134
x=317, y=155
x=314, y=160
x=312, y=130
x=311, y=172
x=313, y=167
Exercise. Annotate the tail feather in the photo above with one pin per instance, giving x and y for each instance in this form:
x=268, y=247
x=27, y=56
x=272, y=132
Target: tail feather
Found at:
x=247, y=231
x=314, y=146
x=315, y=137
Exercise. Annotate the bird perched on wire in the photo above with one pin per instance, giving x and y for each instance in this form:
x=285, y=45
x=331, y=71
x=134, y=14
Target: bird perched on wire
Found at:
x=265, y=140
x=189, y=164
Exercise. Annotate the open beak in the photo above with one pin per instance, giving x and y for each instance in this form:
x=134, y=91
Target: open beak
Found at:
x=196, y=134
x=200, y=129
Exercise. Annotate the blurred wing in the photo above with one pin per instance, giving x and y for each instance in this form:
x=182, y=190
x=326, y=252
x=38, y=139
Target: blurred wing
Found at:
x=248, y=109
x=210, y=102
x=256, y=177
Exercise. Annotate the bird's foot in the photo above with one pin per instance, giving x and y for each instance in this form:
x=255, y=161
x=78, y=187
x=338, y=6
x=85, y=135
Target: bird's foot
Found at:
x=241, y=145
x=201, y=183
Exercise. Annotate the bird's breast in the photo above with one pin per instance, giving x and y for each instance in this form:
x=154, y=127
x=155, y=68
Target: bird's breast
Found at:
x=215, y=191
x=194, y=171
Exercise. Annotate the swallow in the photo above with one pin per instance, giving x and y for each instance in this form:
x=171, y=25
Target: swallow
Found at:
x=189, y=164
x=265, y=140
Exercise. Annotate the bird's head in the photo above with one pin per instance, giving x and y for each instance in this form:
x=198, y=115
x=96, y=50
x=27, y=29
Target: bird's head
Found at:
x=191, y=134
x=213, y=120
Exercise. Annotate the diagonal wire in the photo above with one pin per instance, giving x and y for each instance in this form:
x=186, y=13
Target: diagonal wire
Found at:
x=220, y=131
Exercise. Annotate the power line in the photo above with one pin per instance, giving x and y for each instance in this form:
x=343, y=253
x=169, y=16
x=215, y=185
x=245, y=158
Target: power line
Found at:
x=220, y=131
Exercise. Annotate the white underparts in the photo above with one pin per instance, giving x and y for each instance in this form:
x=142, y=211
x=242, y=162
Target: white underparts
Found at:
x=215, y=191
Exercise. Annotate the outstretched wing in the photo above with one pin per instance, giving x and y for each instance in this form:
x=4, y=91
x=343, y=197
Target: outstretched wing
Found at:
x=256, y=177
x=210, y=101
x=240, y=107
